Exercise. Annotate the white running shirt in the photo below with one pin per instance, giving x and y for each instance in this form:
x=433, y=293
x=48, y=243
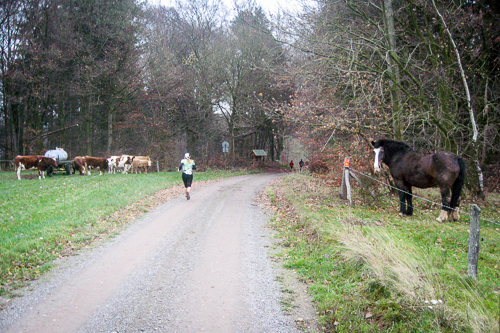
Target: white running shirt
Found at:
x=187, y=166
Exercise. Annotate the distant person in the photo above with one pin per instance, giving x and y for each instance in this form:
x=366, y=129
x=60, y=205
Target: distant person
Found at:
x=301, y=165
x=291, y=165
x=187, y=166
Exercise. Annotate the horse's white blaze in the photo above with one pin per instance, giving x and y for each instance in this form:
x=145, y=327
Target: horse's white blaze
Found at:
x=376, y=165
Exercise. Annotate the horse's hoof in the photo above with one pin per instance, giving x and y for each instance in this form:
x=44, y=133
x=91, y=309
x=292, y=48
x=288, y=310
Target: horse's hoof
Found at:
x=455, y=215
x=443, y=216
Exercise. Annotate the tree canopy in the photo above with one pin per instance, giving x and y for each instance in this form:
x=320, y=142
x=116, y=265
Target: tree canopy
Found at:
x=100, y=77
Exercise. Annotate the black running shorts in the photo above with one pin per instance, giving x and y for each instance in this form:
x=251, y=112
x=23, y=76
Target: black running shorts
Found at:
x=187, y=179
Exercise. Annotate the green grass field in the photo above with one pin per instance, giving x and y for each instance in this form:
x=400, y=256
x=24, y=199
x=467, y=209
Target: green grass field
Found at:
x=370, y=270
x=41, y=220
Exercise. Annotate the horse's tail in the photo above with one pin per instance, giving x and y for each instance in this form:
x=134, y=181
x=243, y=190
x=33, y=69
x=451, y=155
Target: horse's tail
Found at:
x=458, y=184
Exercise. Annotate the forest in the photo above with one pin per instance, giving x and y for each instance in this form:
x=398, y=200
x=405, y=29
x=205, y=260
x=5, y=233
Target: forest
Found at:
x=102, y=77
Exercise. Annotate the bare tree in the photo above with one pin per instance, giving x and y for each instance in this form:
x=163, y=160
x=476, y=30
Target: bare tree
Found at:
x=251, y=93
x=10, y=130
x=389, y=68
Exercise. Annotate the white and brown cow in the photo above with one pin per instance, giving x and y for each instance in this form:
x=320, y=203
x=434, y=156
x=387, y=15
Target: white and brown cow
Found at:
x=39, y=162
x=141, y=163
x=79, y=164
x=125, y=163
x=95, y=163
x=113, y=163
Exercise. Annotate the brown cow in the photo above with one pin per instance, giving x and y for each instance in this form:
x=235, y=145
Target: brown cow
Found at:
x=141, y=162
x=39, y=162
x=95, y=163
x=79, y=164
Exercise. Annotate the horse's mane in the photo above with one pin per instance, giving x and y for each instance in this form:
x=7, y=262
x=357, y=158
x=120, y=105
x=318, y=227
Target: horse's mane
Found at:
x=397, y=146
x=393, y=148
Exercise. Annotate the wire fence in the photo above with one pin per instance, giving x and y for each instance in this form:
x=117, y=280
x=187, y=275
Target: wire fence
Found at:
x=6, y=165
x=416, y=196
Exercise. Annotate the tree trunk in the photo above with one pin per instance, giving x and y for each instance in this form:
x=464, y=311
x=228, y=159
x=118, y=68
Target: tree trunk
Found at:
x=232, y=146
x=15, y=128
x=88, y=127
x=475, y=132
x=393, y=69
x=110, y=132
x=271, y=148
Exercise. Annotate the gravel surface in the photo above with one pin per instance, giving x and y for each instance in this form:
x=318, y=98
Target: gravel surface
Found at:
x=199, y=265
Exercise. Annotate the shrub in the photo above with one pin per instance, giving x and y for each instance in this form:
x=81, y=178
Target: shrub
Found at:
x=319, y=164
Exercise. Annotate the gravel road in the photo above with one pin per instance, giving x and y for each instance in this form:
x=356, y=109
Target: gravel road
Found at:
x=199, y=265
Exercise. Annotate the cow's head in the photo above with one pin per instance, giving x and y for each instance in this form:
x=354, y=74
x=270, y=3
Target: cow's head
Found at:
x=49, y=161
x=111, y=160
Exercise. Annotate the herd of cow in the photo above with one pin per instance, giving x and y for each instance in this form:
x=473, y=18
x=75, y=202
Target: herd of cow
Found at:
x=84, y=164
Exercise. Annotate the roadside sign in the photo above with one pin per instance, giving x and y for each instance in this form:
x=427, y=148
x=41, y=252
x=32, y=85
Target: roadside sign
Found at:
x=347, y=162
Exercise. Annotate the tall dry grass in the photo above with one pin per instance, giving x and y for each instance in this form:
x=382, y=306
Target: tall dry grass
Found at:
x=402, y=268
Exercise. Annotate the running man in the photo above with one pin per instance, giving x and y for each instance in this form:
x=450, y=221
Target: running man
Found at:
x=187, y=166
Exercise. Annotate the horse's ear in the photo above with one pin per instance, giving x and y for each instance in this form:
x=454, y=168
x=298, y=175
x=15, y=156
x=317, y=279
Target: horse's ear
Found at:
x=373, y=143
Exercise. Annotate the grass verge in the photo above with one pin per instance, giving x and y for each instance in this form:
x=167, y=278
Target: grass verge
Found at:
x=42, y=220
x=370, y=270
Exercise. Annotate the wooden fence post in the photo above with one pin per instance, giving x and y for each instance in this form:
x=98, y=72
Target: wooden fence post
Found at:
x=473, y=256
x=346, y=186
x=157, y=166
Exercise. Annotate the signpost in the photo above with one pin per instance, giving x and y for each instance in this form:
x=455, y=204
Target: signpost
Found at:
x=225, y=150
x=473, y=255
x=346, y=186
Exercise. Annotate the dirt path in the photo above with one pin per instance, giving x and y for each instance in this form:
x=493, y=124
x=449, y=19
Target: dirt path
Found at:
x=189, y=266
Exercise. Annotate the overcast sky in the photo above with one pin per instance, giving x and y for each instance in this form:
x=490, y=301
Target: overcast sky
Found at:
x=271, y=6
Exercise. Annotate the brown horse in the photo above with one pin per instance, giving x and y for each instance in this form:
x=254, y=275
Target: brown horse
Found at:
x=409, y=168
